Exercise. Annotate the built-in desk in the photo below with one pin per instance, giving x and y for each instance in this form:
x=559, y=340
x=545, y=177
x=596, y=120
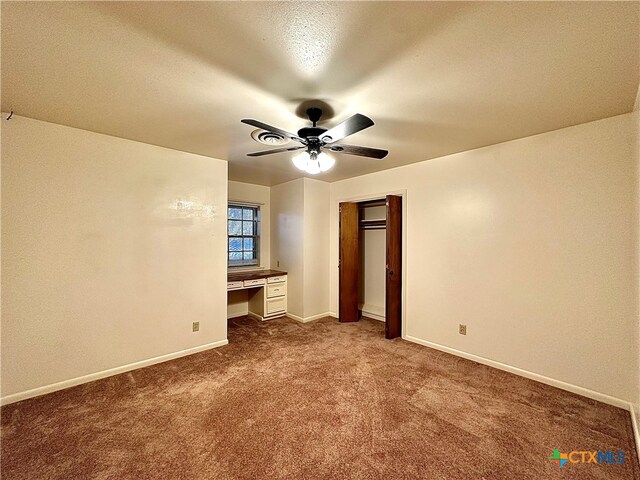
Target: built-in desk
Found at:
x=268, y=295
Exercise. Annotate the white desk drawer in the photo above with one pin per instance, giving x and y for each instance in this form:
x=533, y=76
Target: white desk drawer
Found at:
x=276, y=290
x=281, y=278
x=234, y=285
x=275, y=305
x=254, y=283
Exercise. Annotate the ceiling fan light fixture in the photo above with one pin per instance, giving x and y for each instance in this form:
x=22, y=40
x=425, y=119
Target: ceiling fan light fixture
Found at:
x=326, y=162
x=300, y=161
x=313, y=167
x=313, y=162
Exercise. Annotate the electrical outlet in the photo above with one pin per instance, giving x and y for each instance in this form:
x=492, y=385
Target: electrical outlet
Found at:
x=196, y=326
x=462, y=329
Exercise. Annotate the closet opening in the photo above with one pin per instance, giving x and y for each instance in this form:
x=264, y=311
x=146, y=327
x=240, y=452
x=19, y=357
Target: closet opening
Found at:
x=370, y=262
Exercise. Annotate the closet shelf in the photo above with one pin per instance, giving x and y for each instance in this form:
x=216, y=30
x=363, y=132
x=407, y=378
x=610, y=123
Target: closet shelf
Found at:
x=373, y=203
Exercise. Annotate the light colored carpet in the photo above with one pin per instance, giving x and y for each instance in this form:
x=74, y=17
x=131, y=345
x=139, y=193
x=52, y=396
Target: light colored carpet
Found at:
x=316, y=401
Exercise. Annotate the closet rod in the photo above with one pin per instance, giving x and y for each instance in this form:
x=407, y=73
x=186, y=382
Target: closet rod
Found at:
x=373, y=223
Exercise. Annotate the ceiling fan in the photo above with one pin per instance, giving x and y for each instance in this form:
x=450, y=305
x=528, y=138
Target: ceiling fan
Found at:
x=316, y=139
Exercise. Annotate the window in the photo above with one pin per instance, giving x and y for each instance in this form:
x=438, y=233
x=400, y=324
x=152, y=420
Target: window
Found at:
x=243, y=230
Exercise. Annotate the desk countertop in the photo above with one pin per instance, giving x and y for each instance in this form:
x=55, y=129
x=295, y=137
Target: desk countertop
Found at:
x=252, y=275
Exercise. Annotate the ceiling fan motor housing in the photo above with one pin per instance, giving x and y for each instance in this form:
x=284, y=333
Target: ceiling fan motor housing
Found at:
x=311, y=134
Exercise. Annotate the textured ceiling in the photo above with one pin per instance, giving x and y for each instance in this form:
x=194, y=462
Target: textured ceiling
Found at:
x=436, y=77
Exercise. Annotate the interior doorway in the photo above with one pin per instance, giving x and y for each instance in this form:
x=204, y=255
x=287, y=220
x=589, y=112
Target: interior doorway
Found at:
x=353, y=222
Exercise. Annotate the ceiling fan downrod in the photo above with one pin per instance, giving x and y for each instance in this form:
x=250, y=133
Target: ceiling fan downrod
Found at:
x=314, y=115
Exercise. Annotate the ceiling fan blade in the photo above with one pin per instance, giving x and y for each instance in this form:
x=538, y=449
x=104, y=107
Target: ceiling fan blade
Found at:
x=350, y=126
x=275, y=150
x=269, y=128
x=376, y=153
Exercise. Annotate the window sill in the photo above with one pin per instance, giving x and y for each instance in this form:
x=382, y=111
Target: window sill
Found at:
x=241, y=268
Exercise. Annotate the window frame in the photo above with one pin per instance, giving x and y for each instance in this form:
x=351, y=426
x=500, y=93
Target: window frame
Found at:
x=255, y=260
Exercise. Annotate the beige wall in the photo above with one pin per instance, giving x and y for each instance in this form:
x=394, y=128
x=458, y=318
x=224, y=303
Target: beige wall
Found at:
x=529, y=243
x=258, y=194
x=316, y=248
x=287, y=234
x=110, y=250
x=300, y=244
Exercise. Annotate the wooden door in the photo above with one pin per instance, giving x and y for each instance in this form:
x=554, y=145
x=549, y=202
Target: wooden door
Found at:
x=393, y=304
x=349, y=263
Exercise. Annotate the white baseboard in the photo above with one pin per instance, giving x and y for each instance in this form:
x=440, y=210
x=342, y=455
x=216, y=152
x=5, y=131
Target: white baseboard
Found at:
x=585, y=392
x=236, y=315
x=373, y=316
x=36, y=392
x=309, y=319
x=636, y=427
